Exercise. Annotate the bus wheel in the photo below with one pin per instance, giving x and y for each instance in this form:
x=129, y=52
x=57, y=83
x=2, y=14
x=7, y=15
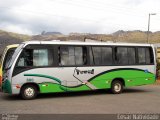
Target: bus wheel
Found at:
x=116, y=87
x=29, y=92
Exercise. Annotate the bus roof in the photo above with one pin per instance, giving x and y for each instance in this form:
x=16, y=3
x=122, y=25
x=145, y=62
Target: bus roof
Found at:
x=85, y=43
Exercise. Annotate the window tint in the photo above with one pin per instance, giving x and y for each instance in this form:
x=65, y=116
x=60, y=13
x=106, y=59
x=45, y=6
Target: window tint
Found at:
x=106, y=55
x=125, y=55
x=121, y=55
x=70, y=55
x=148, y=56
x=131, y=56
x=36, y=57
x=97, y=55
x=91, y=56
x=8, y=57
x=40, y=57
x=67, y=56
x=141, y=56
x=145, y=56
x=101, y=55
x=79, y=56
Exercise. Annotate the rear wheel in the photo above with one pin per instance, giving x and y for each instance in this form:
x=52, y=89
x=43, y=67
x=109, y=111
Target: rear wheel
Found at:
x=29, y=92
x=116, y=87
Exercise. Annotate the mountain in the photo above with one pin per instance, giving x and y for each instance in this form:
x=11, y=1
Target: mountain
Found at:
x=135, y=36
x=50, y=33
x=7, y=38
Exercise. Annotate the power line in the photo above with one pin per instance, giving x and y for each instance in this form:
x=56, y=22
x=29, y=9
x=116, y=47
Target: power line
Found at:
x=101, y=8
x=42, y=13
x=117, y=10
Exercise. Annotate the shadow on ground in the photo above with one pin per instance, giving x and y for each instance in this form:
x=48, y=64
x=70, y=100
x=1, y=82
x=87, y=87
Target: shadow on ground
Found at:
x=74, y=94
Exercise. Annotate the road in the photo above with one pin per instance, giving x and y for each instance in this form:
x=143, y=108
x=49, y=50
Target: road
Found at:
x=141, y=99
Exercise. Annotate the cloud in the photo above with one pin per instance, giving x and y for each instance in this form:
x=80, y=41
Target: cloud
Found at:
x=91, y=16
x=134, y=2
x=17, y=29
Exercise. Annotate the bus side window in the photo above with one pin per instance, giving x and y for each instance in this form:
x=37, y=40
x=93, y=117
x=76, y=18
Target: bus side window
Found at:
x=102, y=55
x=21, y=62
x=141, y=56
x=70, y=55
x=121, y=54
x=91, y=57
x=26, y=58
x=35, y=57
x=131, y=56
x=84, y=55
x=40, y=57
x=149, y=56
x=80, y=55
x=145, y=56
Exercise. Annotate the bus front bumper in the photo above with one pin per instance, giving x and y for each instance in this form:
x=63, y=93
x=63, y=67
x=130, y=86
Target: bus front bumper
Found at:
x=6, y=87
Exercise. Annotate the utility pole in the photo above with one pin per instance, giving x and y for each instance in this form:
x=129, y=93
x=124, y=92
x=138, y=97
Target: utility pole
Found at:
x=149, y=25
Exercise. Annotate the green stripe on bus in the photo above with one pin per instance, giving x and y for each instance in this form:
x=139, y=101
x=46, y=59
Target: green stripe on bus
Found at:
x=130, y=77
x=101, y=81
x=52, y=87
x=45, y=76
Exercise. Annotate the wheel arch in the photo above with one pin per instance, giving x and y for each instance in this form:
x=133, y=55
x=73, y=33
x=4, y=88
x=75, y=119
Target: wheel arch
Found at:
x=119, y=79
x=31, y=83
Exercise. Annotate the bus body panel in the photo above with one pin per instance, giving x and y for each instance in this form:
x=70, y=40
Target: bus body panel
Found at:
x=67, y=79
x=63, y=79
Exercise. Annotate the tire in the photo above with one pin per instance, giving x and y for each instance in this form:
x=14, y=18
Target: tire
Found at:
x=116, y=87
x=29, y=92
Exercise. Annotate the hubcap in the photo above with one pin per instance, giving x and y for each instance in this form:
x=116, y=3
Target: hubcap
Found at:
x=29, y=92
x=117, y=87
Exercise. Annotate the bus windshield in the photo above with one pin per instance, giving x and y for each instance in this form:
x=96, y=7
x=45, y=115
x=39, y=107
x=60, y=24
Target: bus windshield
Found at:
x=14, y=56
x=8, y=57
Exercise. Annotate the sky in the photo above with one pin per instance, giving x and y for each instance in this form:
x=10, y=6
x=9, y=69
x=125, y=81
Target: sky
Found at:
x=82, y=16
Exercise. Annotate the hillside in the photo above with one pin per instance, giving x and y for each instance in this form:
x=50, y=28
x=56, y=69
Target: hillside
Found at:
x=119, y=36
x=7, y=38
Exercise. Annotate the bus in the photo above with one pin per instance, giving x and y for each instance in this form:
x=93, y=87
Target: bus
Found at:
x=51, y=66
x=6, y=56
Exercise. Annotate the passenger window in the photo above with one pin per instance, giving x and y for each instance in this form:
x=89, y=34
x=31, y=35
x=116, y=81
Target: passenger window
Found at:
x=40, y=58
x=70, y=55
x=145, y=56
x=97, y=55
x=35, y=57
x=141, y=56
x=121, y=55
x=79, y=56
x=106, y=55
x=101, y=55
x=131, y=56
x=91, y=56
x=148, y=56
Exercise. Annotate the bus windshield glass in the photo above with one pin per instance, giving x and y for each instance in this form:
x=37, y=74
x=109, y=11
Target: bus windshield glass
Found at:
x=10, y=62
x=8, y=57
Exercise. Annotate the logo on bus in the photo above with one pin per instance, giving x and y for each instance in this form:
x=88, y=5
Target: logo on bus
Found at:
x=84, y=71
x=30, y=79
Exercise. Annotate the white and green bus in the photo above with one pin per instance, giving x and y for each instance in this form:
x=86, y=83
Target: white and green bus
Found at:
x=56, y=66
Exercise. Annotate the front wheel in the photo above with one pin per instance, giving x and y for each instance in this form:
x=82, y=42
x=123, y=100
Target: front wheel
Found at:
x=29, y=92
x=116, y=87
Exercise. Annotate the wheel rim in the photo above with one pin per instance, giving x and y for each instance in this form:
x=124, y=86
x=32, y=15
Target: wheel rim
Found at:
x=29, y=92
x=117, y=87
